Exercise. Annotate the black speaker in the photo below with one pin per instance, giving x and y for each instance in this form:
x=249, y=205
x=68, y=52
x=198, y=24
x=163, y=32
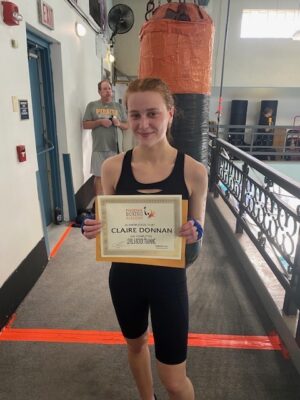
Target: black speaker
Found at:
x=238, y=116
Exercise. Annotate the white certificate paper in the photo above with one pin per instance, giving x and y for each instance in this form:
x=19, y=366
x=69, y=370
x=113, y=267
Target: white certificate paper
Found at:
x=141, y=229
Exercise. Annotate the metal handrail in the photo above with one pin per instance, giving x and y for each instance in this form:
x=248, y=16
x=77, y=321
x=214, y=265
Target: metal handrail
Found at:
x=249, y=134
x=261, y=213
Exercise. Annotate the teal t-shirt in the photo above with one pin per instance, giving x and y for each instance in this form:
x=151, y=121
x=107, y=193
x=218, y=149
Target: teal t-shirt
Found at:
x=104, y=139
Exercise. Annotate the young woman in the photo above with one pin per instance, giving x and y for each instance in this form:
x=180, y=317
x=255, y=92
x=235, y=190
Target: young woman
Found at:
x=154, y=166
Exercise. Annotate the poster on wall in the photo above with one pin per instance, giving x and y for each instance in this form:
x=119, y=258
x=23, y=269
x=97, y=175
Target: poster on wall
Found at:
x=98, y=12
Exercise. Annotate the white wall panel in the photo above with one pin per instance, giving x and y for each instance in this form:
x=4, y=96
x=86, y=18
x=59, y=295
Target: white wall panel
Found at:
x=76, y=69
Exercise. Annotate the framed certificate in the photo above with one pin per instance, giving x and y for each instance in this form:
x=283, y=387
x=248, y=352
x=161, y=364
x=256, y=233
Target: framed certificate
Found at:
x=141, y=229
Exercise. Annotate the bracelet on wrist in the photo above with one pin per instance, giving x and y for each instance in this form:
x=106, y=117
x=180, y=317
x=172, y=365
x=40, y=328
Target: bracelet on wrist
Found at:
x=199, y=228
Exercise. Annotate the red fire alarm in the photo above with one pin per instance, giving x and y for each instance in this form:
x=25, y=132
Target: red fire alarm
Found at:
x=21, y=152
x=11, y=15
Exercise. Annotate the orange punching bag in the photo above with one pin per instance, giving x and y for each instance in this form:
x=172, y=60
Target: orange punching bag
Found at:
x=176, y=46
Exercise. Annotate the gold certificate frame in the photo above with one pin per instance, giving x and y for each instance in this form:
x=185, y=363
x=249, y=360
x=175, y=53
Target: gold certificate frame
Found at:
x=141, y=229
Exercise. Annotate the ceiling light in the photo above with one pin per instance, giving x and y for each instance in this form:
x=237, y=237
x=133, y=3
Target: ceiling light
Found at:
x=111, y=58
x=80, y=29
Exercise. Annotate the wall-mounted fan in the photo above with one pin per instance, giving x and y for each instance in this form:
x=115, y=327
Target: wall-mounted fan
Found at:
x=120, y=19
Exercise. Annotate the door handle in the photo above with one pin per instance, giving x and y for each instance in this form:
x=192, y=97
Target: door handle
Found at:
x=47, y=149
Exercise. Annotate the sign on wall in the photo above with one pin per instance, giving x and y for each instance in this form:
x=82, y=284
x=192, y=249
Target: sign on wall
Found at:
x=46, y=16
x=23, y=107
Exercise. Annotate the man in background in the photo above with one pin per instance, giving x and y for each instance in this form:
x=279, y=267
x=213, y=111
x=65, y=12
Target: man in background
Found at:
x=265, y=141
x=104, y=117
x=267, y=118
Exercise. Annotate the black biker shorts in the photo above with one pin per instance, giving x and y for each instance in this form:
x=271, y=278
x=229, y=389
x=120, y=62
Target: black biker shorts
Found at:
x=137, y=289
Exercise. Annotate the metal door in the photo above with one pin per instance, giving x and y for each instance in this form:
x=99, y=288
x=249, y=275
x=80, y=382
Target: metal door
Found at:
x=44, y=125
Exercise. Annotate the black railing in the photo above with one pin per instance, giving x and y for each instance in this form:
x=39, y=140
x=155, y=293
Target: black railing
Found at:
x=257, y=196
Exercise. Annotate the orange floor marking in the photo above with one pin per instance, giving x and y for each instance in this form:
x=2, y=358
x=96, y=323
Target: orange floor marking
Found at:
x=60, y=241
x=10, y=321
x=116, y=338
x=235, y=341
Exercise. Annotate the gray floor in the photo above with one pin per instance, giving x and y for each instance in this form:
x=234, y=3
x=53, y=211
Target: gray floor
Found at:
x=73, y=294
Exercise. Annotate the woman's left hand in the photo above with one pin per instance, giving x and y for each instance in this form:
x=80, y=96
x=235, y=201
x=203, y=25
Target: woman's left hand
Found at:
x=189, y=232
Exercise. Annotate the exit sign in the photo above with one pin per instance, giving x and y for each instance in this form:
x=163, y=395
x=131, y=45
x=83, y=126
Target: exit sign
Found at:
x=46, y=16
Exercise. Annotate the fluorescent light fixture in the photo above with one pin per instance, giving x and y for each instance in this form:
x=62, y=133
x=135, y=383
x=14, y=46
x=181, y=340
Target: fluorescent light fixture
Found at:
x=296, y=35
x=80, y=29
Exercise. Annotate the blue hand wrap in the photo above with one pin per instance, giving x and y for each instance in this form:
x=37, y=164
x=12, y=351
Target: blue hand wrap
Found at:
x=198, y=227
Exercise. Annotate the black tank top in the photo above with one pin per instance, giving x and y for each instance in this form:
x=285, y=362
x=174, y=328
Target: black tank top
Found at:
x=173, y=184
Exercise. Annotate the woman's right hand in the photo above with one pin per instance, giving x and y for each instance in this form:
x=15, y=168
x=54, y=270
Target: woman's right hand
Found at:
x=91, y=228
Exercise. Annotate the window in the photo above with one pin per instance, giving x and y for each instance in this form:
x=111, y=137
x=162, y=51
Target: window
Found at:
x=275, y=23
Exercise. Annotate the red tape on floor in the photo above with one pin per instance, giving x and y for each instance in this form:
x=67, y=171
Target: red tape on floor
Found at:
x=60, y=241
x=116, y=338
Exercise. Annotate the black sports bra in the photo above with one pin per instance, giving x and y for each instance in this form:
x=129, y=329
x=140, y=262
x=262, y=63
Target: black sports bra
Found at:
x=173, y=184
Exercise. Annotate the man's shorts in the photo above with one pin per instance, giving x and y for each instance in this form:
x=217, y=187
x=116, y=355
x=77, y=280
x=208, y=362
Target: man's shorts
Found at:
x=98, y=157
